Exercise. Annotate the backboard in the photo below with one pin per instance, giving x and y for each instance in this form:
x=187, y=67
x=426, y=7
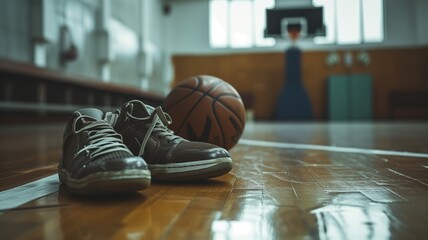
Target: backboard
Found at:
x=308, y=21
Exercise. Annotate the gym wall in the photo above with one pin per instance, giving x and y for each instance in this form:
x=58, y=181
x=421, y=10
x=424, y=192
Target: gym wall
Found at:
x=398, y=70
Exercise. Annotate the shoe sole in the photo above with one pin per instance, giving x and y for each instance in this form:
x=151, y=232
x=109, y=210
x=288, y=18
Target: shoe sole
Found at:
x=113, y=182
x=187, y=171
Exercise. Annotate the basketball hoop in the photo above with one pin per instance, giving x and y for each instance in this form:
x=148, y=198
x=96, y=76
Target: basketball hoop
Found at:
x=309, y=19
x=294, y=35
x=294, y=28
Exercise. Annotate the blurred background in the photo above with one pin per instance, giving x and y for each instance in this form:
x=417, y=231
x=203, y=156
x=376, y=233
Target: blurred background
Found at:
x=59, y=55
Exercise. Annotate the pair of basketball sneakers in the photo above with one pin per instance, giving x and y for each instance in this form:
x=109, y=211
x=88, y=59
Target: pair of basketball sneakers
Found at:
x=113, y=152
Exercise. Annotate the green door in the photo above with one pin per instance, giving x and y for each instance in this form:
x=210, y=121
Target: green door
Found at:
x=360, y=97
x=350, y=97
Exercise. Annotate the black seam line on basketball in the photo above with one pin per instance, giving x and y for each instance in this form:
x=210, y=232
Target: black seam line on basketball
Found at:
x=214, y=87
x=193, y=91
x=224, y=105
x=179, y=101
x=197, y=90
x=196, y=104
x=199, y=79
x=216, y=99
x=212, y=97
x=238, y=130
x=205, y=133
x=218, y=122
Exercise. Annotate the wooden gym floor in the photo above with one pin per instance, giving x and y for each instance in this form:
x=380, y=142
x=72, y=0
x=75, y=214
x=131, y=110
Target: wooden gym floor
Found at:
x=289, y=181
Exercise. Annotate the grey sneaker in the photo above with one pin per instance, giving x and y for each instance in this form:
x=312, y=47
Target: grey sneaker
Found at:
x=169, y=157
x=95, y=160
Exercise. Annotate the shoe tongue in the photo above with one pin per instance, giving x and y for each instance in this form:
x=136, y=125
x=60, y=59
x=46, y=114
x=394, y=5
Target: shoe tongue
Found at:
x=138, y=109
x=89, y=115
x=93, y=113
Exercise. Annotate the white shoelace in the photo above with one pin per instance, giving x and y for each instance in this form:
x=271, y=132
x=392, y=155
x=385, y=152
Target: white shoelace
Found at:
x=102, y=138
x=158, y=127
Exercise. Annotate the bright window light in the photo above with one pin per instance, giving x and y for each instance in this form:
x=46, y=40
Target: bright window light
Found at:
x=260, y=7
x=219, y=20
x=241, y=19
x=329, y=21
x=352, y=21
x=373, y=20
x=348, y=21
x=239, y=23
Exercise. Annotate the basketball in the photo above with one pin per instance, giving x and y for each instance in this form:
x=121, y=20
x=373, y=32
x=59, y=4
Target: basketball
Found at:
x=206, y=109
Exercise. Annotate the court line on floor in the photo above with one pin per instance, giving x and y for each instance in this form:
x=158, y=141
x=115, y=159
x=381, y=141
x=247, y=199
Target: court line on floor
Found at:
x=28, y=192
x=260, y=143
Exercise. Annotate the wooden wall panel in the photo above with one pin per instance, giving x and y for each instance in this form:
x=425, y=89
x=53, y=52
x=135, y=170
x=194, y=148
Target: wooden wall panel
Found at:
x=262, y=74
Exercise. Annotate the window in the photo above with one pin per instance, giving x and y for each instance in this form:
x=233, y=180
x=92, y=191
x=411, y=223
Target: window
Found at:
x=352, y=21
x=239, y=23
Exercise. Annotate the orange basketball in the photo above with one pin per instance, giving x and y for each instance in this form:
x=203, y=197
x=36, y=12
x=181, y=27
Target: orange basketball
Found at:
x=206, y=109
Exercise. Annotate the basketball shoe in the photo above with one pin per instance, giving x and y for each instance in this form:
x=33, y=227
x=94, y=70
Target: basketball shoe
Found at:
x=95, y=160
x=169, y=157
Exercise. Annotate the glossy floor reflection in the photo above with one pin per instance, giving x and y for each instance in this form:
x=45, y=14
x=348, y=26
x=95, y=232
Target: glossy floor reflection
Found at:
x=271, y=193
